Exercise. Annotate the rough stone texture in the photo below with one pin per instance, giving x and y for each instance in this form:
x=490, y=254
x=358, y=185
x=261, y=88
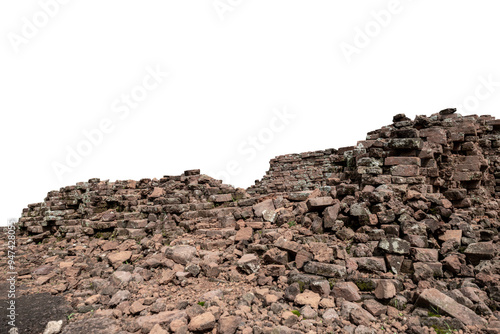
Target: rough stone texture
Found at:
x=244, y=234
x=229, y=325
x=372, y=264
x=374, y=307
x=325, y=269
x=249, y=263
x=385, y=289
x=181, y=254
x=53, y=327
x=308, y=298
x=395, y=246
x=202, y=322
x=119, y=257
x=442, y=302
x=319, y=203
x=480, y=251
x=266, y=205
x=346, y=290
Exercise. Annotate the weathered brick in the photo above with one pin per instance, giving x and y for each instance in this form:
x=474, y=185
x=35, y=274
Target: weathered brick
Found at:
x=391, y=161
x=406, y=143
x=405, y=170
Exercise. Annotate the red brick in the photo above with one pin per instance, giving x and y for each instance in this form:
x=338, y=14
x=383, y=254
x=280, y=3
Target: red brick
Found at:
x=391, y=161
x=404, y=170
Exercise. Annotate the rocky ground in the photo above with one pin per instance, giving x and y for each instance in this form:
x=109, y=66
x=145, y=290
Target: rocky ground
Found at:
x=396, y=235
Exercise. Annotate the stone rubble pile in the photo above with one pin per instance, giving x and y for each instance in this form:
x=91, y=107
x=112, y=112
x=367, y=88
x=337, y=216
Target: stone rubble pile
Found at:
x=398, y=234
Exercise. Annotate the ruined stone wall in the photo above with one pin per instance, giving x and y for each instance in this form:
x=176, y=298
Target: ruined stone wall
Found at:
x=444, y=153
x=126, y=209
x=303, y=171
x=404, y=223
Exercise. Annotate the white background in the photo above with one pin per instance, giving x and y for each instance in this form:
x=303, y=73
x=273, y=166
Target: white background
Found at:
x=231, y=65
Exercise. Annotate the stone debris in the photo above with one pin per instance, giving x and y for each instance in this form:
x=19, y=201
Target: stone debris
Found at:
x=397, y=234
x=53, y=327
x=447, y=305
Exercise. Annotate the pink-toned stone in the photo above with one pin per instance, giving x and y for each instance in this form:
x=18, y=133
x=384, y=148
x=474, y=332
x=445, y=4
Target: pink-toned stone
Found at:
x=119, y=257
x=405, y=170
x=157, y=192
x=347, y=290
x=374, y=307
x=434, y=135
x=393, y=161
x=319, y=202
x=244, y=234
x=424, y=254
x=266, y=205
x=449, y=306
x=202, y=322
x=385, y=289
x=308, y=298
x=455, y=235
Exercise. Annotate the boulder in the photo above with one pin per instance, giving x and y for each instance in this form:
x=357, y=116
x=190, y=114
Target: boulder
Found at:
x=201, y=323
x=182, y=254
x=249, y=263
x=308, y=298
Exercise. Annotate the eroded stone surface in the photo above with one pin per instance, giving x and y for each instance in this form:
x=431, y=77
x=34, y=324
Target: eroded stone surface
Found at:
x=442, y=302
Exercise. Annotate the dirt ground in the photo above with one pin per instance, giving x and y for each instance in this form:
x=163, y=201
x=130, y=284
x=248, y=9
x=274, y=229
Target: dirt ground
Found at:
x=33, y=311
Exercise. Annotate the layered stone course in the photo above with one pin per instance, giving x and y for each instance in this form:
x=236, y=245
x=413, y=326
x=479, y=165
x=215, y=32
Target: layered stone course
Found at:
x=125, y=209
x=443, y=151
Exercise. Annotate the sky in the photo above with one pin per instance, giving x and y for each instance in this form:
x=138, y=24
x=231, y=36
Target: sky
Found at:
x=141, y=89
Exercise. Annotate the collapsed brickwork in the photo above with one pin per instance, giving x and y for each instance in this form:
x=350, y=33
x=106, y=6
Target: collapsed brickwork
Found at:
x=440, y=152
x=130, y=209
x=396, y=234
